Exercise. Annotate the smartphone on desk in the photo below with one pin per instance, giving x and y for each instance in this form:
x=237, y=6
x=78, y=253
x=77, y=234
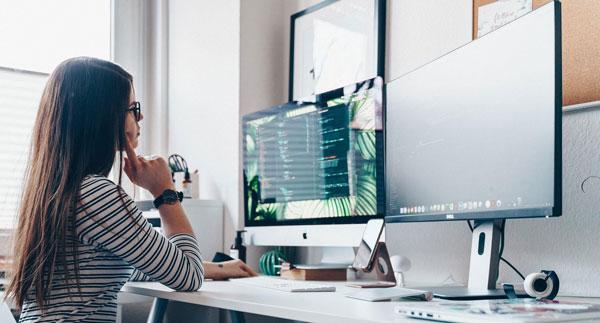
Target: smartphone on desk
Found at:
x=365, y=255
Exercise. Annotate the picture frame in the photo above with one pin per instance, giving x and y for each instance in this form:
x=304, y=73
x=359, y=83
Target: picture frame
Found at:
x=335, y=43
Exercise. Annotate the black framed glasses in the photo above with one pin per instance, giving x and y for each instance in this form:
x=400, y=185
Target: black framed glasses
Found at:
x=136, y=108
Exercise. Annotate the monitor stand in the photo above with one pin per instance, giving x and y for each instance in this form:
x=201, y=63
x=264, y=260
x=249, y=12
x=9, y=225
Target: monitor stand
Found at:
x=483, y=268
x=327, y=257
x=337, y=255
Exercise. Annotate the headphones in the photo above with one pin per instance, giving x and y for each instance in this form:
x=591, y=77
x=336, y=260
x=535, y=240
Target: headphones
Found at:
x=541, y=285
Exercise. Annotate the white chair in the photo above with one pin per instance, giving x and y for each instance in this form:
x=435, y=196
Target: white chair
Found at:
x=5, y=314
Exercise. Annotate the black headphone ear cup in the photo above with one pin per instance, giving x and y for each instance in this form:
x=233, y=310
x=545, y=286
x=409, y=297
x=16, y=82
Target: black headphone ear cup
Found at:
x=552, y=276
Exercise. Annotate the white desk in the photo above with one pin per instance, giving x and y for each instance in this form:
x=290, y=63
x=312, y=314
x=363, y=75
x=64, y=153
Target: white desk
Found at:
x=312, y=307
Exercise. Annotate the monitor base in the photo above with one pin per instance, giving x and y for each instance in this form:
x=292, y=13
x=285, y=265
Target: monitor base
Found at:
x=323, y=266
x=460, y=293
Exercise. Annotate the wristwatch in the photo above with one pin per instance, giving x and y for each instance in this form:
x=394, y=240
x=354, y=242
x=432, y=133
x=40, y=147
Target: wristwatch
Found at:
x=169, y=196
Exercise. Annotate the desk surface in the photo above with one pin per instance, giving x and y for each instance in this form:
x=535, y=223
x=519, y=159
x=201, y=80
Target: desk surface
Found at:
x=313, y=307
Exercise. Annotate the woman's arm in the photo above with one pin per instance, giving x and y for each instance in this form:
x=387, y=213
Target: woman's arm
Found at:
x=108, y=219
x=173, y=220
x=227, y=269
x=155, y=176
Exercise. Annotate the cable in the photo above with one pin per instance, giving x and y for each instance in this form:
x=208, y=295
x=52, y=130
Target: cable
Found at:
x=501, y=247
x=502, y=225
x=502, y=250
x=513, y=267
x=472, y=227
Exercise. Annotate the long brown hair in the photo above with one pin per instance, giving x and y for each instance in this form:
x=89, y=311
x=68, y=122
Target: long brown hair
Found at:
x=79, y=128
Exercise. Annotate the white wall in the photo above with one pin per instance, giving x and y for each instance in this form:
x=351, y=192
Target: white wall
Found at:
x=204, y=82
x=421, y=31
x=262, y=49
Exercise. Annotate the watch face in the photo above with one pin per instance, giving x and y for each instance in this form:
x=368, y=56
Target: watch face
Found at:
x=170, y=196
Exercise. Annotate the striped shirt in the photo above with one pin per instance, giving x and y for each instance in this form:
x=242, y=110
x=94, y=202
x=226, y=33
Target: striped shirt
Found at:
x=115, y=244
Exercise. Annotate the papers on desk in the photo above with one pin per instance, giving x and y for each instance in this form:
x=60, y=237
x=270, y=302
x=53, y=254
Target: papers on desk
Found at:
x=504, y=310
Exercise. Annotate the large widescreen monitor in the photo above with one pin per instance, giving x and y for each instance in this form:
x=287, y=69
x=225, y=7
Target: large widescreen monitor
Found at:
x=476, y=134
x=316, y=163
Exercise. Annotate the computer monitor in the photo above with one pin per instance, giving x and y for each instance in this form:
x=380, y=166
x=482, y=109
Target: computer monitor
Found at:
x=476, y=135
x=313, y=171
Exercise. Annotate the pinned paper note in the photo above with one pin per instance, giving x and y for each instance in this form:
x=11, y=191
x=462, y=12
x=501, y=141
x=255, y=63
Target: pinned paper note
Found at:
x=499, y=13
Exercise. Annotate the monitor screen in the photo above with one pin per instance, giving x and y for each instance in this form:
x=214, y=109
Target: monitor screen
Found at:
x=319, y=162
x=476, y=134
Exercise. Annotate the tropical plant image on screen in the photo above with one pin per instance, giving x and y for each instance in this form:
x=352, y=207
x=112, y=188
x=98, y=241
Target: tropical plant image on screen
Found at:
x=312, y=160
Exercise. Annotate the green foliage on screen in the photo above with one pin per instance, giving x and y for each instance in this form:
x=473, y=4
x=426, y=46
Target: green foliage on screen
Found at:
x=363, y=197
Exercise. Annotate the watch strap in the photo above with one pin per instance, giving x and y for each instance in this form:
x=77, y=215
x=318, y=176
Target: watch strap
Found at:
x=160, y=200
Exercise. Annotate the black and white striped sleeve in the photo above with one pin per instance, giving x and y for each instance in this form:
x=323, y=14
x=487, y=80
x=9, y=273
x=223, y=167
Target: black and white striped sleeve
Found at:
x=182, y=241
x=108, y=218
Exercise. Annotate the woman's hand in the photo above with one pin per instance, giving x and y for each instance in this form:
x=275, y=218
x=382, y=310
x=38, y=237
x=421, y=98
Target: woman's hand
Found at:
x=153, y=175
x=227, y=269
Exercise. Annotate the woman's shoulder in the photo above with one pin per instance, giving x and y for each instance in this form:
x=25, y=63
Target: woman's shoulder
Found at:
x=96, y=180
x=95, y=177
x=94, y=185
x=101, y=205
x=97, y=191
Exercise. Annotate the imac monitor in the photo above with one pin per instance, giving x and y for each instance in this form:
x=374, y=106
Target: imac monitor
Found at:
x=308, y=166
x=476, y=135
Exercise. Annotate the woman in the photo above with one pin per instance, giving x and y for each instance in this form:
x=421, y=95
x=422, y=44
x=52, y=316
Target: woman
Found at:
x=79, y=236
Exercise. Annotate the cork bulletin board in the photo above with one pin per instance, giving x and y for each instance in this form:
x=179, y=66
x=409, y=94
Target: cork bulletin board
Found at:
x=580, y=47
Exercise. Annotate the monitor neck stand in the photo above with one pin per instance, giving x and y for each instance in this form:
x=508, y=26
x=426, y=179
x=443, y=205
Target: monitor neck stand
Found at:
x=483, y=268
x=380, y=273
x=342, y=256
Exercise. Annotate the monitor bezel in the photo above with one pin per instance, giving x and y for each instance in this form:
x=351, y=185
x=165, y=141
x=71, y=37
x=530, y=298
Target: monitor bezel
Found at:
x=380, y=16
x=319, y=99
x=534, y=212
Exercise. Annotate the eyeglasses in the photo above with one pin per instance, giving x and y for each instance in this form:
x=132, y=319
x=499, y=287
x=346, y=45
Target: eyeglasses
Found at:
x=136, y=108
